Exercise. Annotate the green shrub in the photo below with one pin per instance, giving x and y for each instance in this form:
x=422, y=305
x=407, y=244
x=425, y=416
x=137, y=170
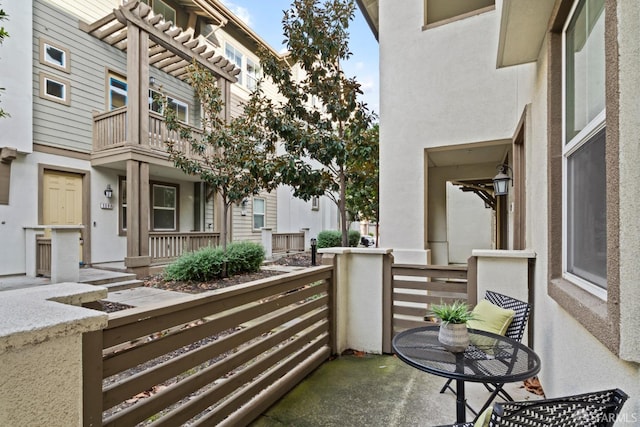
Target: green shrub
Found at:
x=207, y=263
x=332, y=238
x=244, y=257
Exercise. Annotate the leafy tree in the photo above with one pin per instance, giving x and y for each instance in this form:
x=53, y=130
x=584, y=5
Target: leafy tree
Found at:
x=363, y=168
x=232, y=157
x=3, y=34
x=320, y=117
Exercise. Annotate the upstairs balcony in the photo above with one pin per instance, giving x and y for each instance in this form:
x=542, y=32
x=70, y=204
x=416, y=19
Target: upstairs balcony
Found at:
x=110, y=138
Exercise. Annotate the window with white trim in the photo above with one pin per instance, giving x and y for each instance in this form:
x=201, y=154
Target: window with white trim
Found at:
x=253, y=75
x=54, y=56
x=165, y=207
x=117, y=91
x=315, y=203
x=181, y=109
x=54, y=89
x=236, y=57
x=584, y=168
x=259, y=210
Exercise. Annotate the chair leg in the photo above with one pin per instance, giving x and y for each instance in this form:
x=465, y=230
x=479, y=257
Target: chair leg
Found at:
x=446, y=386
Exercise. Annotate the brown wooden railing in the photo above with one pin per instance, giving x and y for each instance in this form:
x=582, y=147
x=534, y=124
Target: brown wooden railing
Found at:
x=167, y=246
x=209, y=358
x=416, y=287
x=287, y=242
x=110, y=131
x=43, y=256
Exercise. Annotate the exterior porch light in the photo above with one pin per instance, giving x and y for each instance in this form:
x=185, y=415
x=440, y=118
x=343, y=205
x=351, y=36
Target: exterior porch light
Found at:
x=152, y=81
x=501, y=181
x=108, y=192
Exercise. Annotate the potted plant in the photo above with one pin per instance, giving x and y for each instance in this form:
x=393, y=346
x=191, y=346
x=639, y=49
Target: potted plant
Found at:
x=453, y=333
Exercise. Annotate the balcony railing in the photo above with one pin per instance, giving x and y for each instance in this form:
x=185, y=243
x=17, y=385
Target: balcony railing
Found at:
x=167, y=246
x=287, y=242
x=110, y=131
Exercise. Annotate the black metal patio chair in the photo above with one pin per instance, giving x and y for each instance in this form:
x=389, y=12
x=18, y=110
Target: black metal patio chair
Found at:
x=595, y=409
x=515, y=332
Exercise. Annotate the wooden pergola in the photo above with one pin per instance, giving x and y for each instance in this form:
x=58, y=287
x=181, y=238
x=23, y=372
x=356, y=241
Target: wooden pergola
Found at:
x=170, y=49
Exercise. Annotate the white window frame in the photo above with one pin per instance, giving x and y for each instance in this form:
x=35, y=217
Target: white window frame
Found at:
x=152, y=94
x=174, y=208
x=165, y=5
x=263, y=213
x=178, y=104
x=236, y=54
x=66, y=89
x=585, y=135
x=254, y=76
x=65, y=64
x=315, y=203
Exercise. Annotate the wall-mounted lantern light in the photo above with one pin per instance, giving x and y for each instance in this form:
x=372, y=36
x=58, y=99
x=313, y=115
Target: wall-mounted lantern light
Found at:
x=501, y=180
x=152, y=81
x=108, y=192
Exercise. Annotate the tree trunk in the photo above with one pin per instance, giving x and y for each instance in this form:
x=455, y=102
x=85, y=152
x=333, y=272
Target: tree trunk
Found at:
x=223, y=234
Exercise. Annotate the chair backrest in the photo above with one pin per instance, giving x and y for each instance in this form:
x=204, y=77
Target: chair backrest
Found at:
x=520, y=319
x=598, y=409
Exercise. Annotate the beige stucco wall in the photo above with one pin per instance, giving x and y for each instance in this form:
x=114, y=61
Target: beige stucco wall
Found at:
x=573, y=360
x=438, y=87
x=441, y=87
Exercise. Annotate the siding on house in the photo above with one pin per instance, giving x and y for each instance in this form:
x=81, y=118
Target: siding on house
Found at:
x=71, y=126
x=243, y=225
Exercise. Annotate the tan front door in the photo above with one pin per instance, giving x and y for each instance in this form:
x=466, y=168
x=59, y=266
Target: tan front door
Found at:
x=62, y=199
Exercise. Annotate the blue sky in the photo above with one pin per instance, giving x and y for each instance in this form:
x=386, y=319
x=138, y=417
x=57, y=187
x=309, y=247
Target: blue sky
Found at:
x=265, y=18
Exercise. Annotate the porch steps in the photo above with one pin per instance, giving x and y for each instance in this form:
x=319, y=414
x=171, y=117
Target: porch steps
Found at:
x=112, y=280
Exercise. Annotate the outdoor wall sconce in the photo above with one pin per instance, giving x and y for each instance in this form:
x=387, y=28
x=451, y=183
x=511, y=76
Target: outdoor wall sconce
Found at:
x=152, y=81
x=108, y=192
x=243, y=204
x=501, y=180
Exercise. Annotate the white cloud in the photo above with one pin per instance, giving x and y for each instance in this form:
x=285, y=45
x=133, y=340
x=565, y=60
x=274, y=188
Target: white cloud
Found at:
x=239, y=11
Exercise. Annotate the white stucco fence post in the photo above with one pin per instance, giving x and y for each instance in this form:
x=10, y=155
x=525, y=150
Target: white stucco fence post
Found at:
x=360, y=275
x=41, y=352
x=267, y=242
x=505, y=272
x=65, y=255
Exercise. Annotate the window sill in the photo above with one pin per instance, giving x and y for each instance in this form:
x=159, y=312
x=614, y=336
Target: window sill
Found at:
x=589, y=310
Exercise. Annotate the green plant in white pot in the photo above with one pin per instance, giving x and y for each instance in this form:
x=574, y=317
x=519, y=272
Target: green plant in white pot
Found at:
x=453, y=333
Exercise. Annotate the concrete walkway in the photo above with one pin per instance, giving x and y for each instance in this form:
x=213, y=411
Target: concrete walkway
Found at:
x=373, y=390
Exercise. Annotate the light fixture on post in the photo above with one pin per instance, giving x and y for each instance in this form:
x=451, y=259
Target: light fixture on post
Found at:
x=501, y=180
x=108, y=192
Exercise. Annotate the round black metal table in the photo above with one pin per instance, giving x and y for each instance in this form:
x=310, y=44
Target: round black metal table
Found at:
x=490, y=358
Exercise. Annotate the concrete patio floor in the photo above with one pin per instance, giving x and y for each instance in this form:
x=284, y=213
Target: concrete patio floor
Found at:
x=373, y=390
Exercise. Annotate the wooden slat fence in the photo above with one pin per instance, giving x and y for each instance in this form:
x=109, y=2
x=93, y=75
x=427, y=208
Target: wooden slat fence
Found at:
x=218, y=358
x=167, y=246
x=287, y=242
x=43, y=256
x=416, y=287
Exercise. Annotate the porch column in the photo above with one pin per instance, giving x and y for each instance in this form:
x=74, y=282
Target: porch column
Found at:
x=138, y=85
x=138, y=205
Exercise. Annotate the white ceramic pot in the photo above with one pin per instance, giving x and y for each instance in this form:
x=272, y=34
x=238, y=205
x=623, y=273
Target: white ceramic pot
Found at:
x=454, y=337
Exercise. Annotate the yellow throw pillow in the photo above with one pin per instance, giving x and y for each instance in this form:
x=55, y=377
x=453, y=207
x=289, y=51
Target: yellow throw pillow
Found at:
x=491, y=318
x=484, y=418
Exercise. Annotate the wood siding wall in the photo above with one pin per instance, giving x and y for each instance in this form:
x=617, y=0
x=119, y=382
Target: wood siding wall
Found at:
x=70, y=126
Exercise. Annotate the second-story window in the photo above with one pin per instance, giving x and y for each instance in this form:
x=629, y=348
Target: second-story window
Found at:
x=181, y=108
x=253, y=74
x=235, y=56
x=117, y=92
x=259, y=210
